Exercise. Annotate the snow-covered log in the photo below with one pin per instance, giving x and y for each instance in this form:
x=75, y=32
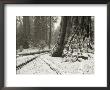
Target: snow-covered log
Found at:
x=32, y=53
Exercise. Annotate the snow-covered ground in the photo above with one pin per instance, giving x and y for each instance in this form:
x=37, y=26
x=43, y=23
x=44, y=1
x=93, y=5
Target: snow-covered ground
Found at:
x=23, y=59
x=30, y=50
x=45, y=64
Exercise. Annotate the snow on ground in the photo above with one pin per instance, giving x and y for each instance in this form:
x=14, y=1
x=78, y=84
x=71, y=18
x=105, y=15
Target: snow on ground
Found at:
x=37, y=66
x=84, y=67
x=30, y=50
x=23, y=59
x=45, y=64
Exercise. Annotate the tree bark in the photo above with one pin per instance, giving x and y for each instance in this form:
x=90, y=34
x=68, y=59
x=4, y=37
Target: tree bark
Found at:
x=26, y=29
x=50, y=34
x=60, y=43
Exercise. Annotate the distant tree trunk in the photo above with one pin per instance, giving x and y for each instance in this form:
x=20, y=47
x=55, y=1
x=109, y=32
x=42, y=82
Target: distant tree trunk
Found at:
x=50, y=34
x=46, y=32
x=26, y=31
x=16, y=35
x=60, y=43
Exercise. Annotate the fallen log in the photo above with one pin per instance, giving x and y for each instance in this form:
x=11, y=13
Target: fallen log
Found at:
x=32, y=53
x=26, y=62
x=23, y=64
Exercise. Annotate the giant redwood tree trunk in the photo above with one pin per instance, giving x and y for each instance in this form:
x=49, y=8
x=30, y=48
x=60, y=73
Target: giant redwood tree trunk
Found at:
x=60, y=43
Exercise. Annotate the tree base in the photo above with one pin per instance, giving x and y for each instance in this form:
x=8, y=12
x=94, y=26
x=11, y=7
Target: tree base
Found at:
x=57, y=54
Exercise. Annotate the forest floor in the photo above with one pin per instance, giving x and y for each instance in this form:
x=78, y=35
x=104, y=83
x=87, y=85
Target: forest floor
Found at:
x=44, y=63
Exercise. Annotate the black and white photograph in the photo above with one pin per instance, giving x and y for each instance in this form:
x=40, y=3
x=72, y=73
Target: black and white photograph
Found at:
x=55, y=45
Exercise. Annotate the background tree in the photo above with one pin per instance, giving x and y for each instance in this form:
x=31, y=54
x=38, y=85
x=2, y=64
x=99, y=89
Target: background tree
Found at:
x=50, y=34
x=26, y=31
x=19, y=31
x=73, y=33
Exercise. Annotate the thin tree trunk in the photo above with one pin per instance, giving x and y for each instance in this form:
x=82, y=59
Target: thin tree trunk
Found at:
x=46, y=31
x=50, y=34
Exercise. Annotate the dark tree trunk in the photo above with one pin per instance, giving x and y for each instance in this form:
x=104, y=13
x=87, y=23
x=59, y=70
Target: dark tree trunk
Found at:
x=60, y=43
x=26, y=27
x=50, y=34
x=46, y=32
x=69, y=27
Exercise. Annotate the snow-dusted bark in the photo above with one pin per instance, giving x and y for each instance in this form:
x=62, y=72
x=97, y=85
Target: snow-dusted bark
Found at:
x=60, y=43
